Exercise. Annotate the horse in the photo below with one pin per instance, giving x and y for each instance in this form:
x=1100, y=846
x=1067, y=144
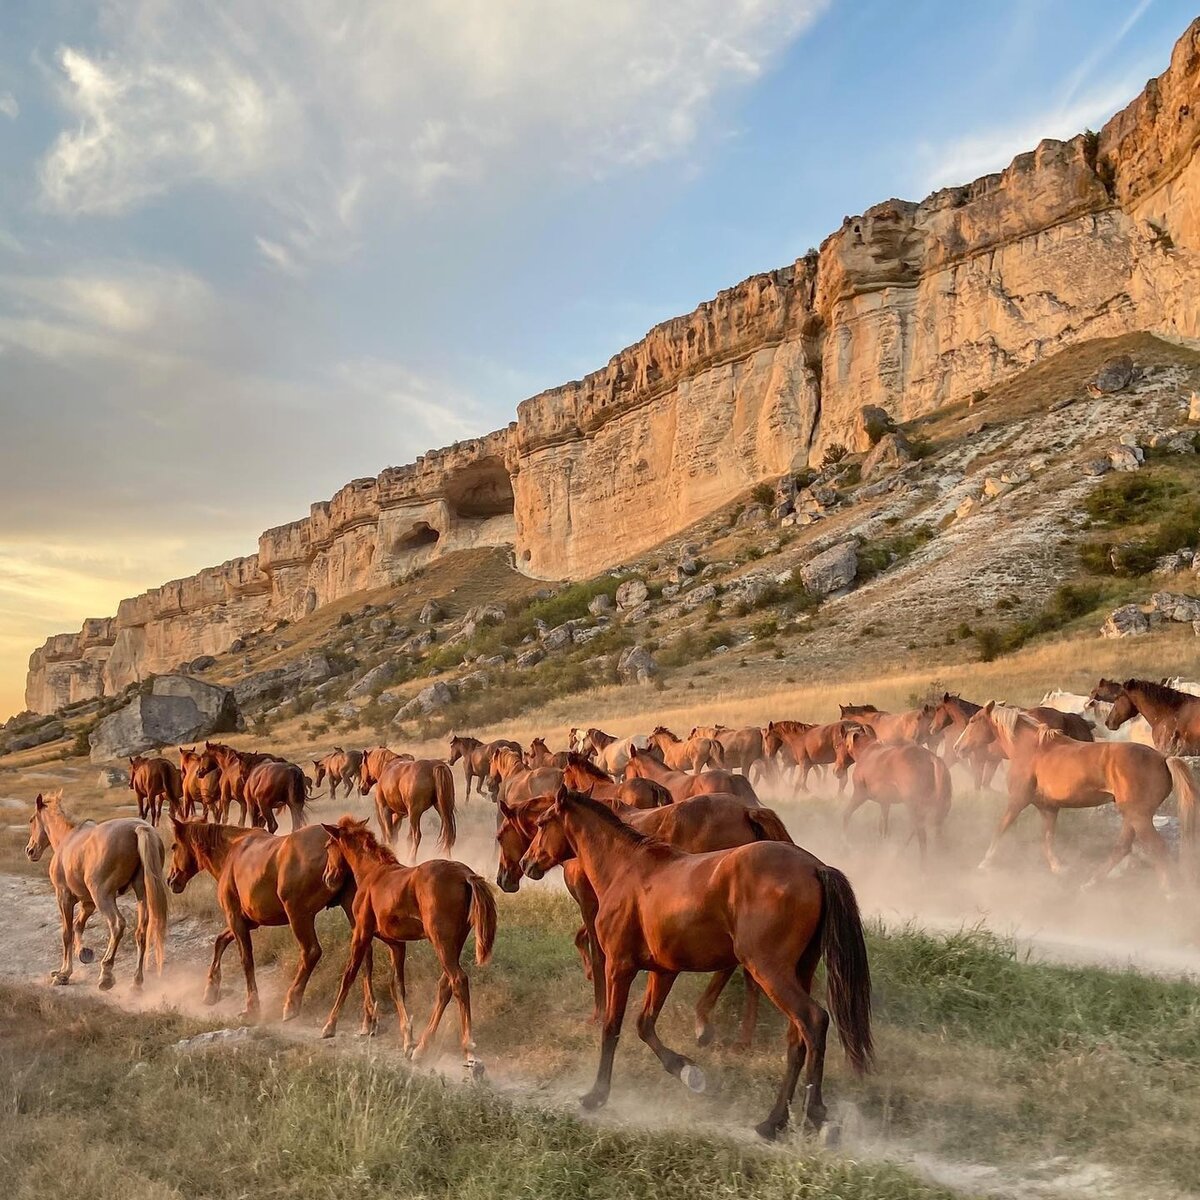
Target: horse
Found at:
x=693, y=755
x=582, y=775
x=708, y=822
x=274, y=785
x=341, y=766
x=409, y=788
x=439, y=901
x=643, y=765
x=953, y=713
x=770, y=907
x=540, y=755
x=1051, y=771
x=375, y=760
x=154, y=780
x=809, y=746
x=234, y=766
x=510, y=779
x=94, y=863
x=890, y=774
x=201, y=789
x=741, y=749
x=265, y=881
x=477, y=756
x=912, y=725
x=1173, y=716
x=612, y=753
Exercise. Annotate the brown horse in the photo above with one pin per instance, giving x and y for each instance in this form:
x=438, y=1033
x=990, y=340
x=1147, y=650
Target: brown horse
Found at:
x=94, y=863
x=409, y=788
x=234, y=766
x=438, y=901
x=808, y=746
x=155, y=780
x=582, y=775
x=950, y=718
x=265, y=880
x=771, y=907
x=912, y=725
x=510, y=779
x=201, y=788
x=699, y=824
x=693, y=755
x=378, y=758
x=540, y=755
x=741, y=749
x=643, y=765
x=476, y=757
x=271, y=786
x=903, y=773
x=341, y=767
x=1173, y=716
x=1051, y=771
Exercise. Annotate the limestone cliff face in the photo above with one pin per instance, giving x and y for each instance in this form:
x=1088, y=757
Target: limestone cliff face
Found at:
x=908, y=306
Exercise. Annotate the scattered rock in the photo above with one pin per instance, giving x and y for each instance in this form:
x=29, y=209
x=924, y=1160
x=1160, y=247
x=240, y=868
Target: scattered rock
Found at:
x=1097, y=466
x=373, y=681
x=202, y=663
x=380, y=624
x=993, y=487
x=1125, y=458
x=751, y=515
x=1126, y=621
x=598, y=605
x=890, y=452
x=51, y=731
x=215, y=1038
x=530, y=658
x=176, y=709
x=112, y=777
x=422, y=641
x=704, y=594
x=558, y=637
x=429, y=699
x=487, y=614
x=687, y=566
x=831, y=570
x=1193, y=413
x=636, y=665
x=1176, y=607
x=631, y=594
x=966, y=507
x=431, y=613
x=583, y=636
x=237, y=645
x=871, y=424
x=1114, y=376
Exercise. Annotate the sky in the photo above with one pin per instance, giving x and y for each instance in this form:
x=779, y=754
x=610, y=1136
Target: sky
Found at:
x=252, y=249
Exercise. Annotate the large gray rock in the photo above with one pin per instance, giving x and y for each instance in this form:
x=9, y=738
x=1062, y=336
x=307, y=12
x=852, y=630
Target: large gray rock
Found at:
x=486, y=614
x=309, y=671
x=871, y=424
x=890, y=452
x=636, y=665
x=601, y=604
x=1114, y=376
x=1125, y=458
x=375, y=680
x=431, y=613
x=559, y=637
x=112, y=777
x=50, y=731
x=632, y=593
x=1126, y=621
x=831, y=570
x=177, y=708
x=1175, y=606
x=437, y=695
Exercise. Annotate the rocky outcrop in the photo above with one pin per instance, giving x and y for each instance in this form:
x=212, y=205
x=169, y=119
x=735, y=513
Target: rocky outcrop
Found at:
x=906, y=307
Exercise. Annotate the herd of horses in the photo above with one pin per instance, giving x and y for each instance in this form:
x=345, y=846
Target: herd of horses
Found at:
x=674, y=862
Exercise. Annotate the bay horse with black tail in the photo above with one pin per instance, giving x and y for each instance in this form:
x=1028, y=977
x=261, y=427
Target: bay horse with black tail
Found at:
x=155, y=781
x=265, y=881
x=769, y=907
x=1050, y=771
x=476, y=757
x=340, y=767
x=439, y=901
x=409, y=788
x=642, y=764
x=94, y=863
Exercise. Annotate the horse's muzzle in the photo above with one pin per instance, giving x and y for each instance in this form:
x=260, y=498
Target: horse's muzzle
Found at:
x=176, y=882
x=33, y=853
x=532, y=869
x=508, y=880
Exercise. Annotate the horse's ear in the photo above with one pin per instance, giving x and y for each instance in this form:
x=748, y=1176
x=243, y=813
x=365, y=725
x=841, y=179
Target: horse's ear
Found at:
x=842, y=709
x=39, y=803
x=989, y=706
x=633, y=750
x=332, y=830
x=504, y=809
x=945, y=697
x=178, y=825
x=560, y=795
x=1129, y=683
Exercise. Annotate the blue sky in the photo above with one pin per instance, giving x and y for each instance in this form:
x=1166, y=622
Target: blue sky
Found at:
x=249, y=251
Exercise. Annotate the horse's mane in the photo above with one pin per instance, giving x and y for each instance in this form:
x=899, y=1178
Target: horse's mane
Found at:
x=1159, y=692
x=967, y=706
x=357, y=833
x=859, y=708
x=55, y=798
x=1009, y=717
x=792, y=726
x=208, y=837
x=662, y=729
x=626, y=832
x=582, y=763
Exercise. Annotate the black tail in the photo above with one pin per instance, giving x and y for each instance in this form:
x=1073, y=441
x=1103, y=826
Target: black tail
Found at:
x=846, y=968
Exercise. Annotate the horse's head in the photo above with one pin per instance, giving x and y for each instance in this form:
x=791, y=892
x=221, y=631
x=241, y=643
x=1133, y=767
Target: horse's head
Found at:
x=771, y=739
x=943, y=714
x=514, y=833
x=366, y=779
x=39, y=835
x=334, y=874
x=1123, y=708
x=456, y=749
x=978, y=731
x=550, y=846
x=185, y=862
x=318, y=771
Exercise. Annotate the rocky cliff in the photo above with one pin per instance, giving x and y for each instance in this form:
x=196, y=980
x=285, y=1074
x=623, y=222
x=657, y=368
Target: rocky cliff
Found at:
x=908, y=306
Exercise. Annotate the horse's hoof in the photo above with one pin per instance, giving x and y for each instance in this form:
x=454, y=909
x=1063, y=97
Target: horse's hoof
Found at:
x=86, y=954
x=328, y=1032
x=290, y=1014
x=704, y=1035
x=767, y=1130
x=474, y=1069
x=211, y=995
x=137, y=982
x=693, y=1078
x=106, y=983
x=58, y=979
x=592, y=1101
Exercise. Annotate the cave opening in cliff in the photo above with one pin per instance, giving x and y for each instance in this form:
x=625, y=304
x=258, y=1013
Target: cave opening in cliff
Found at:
x=421, y=534
x=481, y=490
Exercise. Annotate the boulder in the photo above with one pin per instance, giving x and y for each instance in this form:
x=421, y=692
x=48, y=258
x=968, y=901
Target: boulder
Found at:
x=486, y=614
x=583, y=636
x=202, y=663
x=631, y=594
x=1114, y=376
x=1176, y=607
x=1097, y=466
x=429, y=699
x=530, y=658
x=380, y=624
x=993, y=487
x=751, y=514
x=373, y=681
x=431, y=613
x=558, y=637
x=831, y=570
x=598, y=605
x=49, y=731
x=687, y=566
x=887, y=455
x=1126, y=621
x=966, y=507
x=1193, y=413
x=112, y=777
x=1125, y=458
x=176, y=709
x=872, y=424
x=636, y=665
x=422, y=641
x=704, y=594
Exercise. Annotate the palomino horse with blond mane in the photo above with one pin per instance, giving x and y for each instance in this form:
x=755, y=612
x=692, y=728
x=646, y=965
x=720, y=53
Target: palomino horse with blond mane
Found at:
x=155, y=781
x=692, y=755
x=265, y=880
x=438, y=901
x=769, y=907
x=1173, y=716
x=1050, y=771
x=643, y=764
x=341, y=767
x=697, y=825
x=409, y=788
x=94, y=863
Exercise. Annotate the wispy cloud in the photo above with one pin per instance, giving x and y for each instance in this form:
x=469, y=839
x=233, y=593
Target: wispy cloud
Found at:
x=9, y=106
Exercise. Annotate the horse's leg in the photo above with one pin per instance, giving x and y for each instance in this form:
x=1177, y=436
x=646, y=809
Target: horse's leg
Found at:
x=706, y=1004
x=584, y=947
x=106, y=902
x=304, y=930
x=857, y=799
x=397, y=988
x=360, y=941
x=66, y=913
x=86, y=908
x=1049, y=825
x=241, y=934
x=415, y=813
x=885, y=813
x=140, y=930
x=658, y=988
x=370, y=1010
x=618, y=979
x=381, y=816
x=212, y=988
x=745, y=1037
x=1152, y=842
x=453, y=982
x=1016, y=805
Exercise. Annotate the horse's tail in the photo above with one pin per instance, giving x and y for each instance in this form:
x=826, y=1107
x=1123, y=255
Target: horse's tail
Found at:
x=716, y=752
x=150, y=851
x=483, y=917
x=1188, y=794
x=443, y=786
x=299, y=794
x=942, y=784
x=767, y=826
x=848, y=974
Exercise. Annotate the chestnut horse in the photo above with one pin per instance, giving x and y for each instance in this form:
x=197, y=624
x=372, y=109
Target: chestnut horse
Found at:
x=341, y=766
x=155, y=780
x=272, y=785
x=912, y=725
x=540, y=755
x=890, y=774
x=477, y=757
x=378, y=758
x=582, y=775
x=234, y=766
x=693, y=755
x=439, y=901
x=770, y=907
x=201, y=788
x=1173, y=716
x=409, y=788
x=94, y=863
x=1051, y=771
x=741, y=749
x=510, y=779
x=265, y=880
x=809, y=746
x=701, y=823
x=643, y=765
x=950, y=718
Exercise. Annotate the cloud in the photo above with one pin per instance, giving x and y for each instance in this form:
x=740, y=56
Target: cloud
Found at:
x=9, y=106
x=323, y=108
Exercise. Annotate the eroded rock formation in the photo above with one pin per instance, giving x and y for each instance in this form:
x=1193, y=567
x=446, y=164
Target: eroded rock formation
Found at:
x=907, y=306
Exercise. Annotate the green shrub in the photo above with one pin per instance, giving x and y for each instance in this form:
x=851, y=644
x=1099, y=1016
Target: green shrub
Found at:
x=834, y=453
x=877, y=556
x=763, y=493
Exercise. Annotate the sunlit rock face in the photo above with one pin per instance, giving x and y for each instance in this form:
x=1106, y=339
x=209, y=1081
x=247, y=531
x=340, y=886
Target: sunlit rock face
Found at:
x=907, y=306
